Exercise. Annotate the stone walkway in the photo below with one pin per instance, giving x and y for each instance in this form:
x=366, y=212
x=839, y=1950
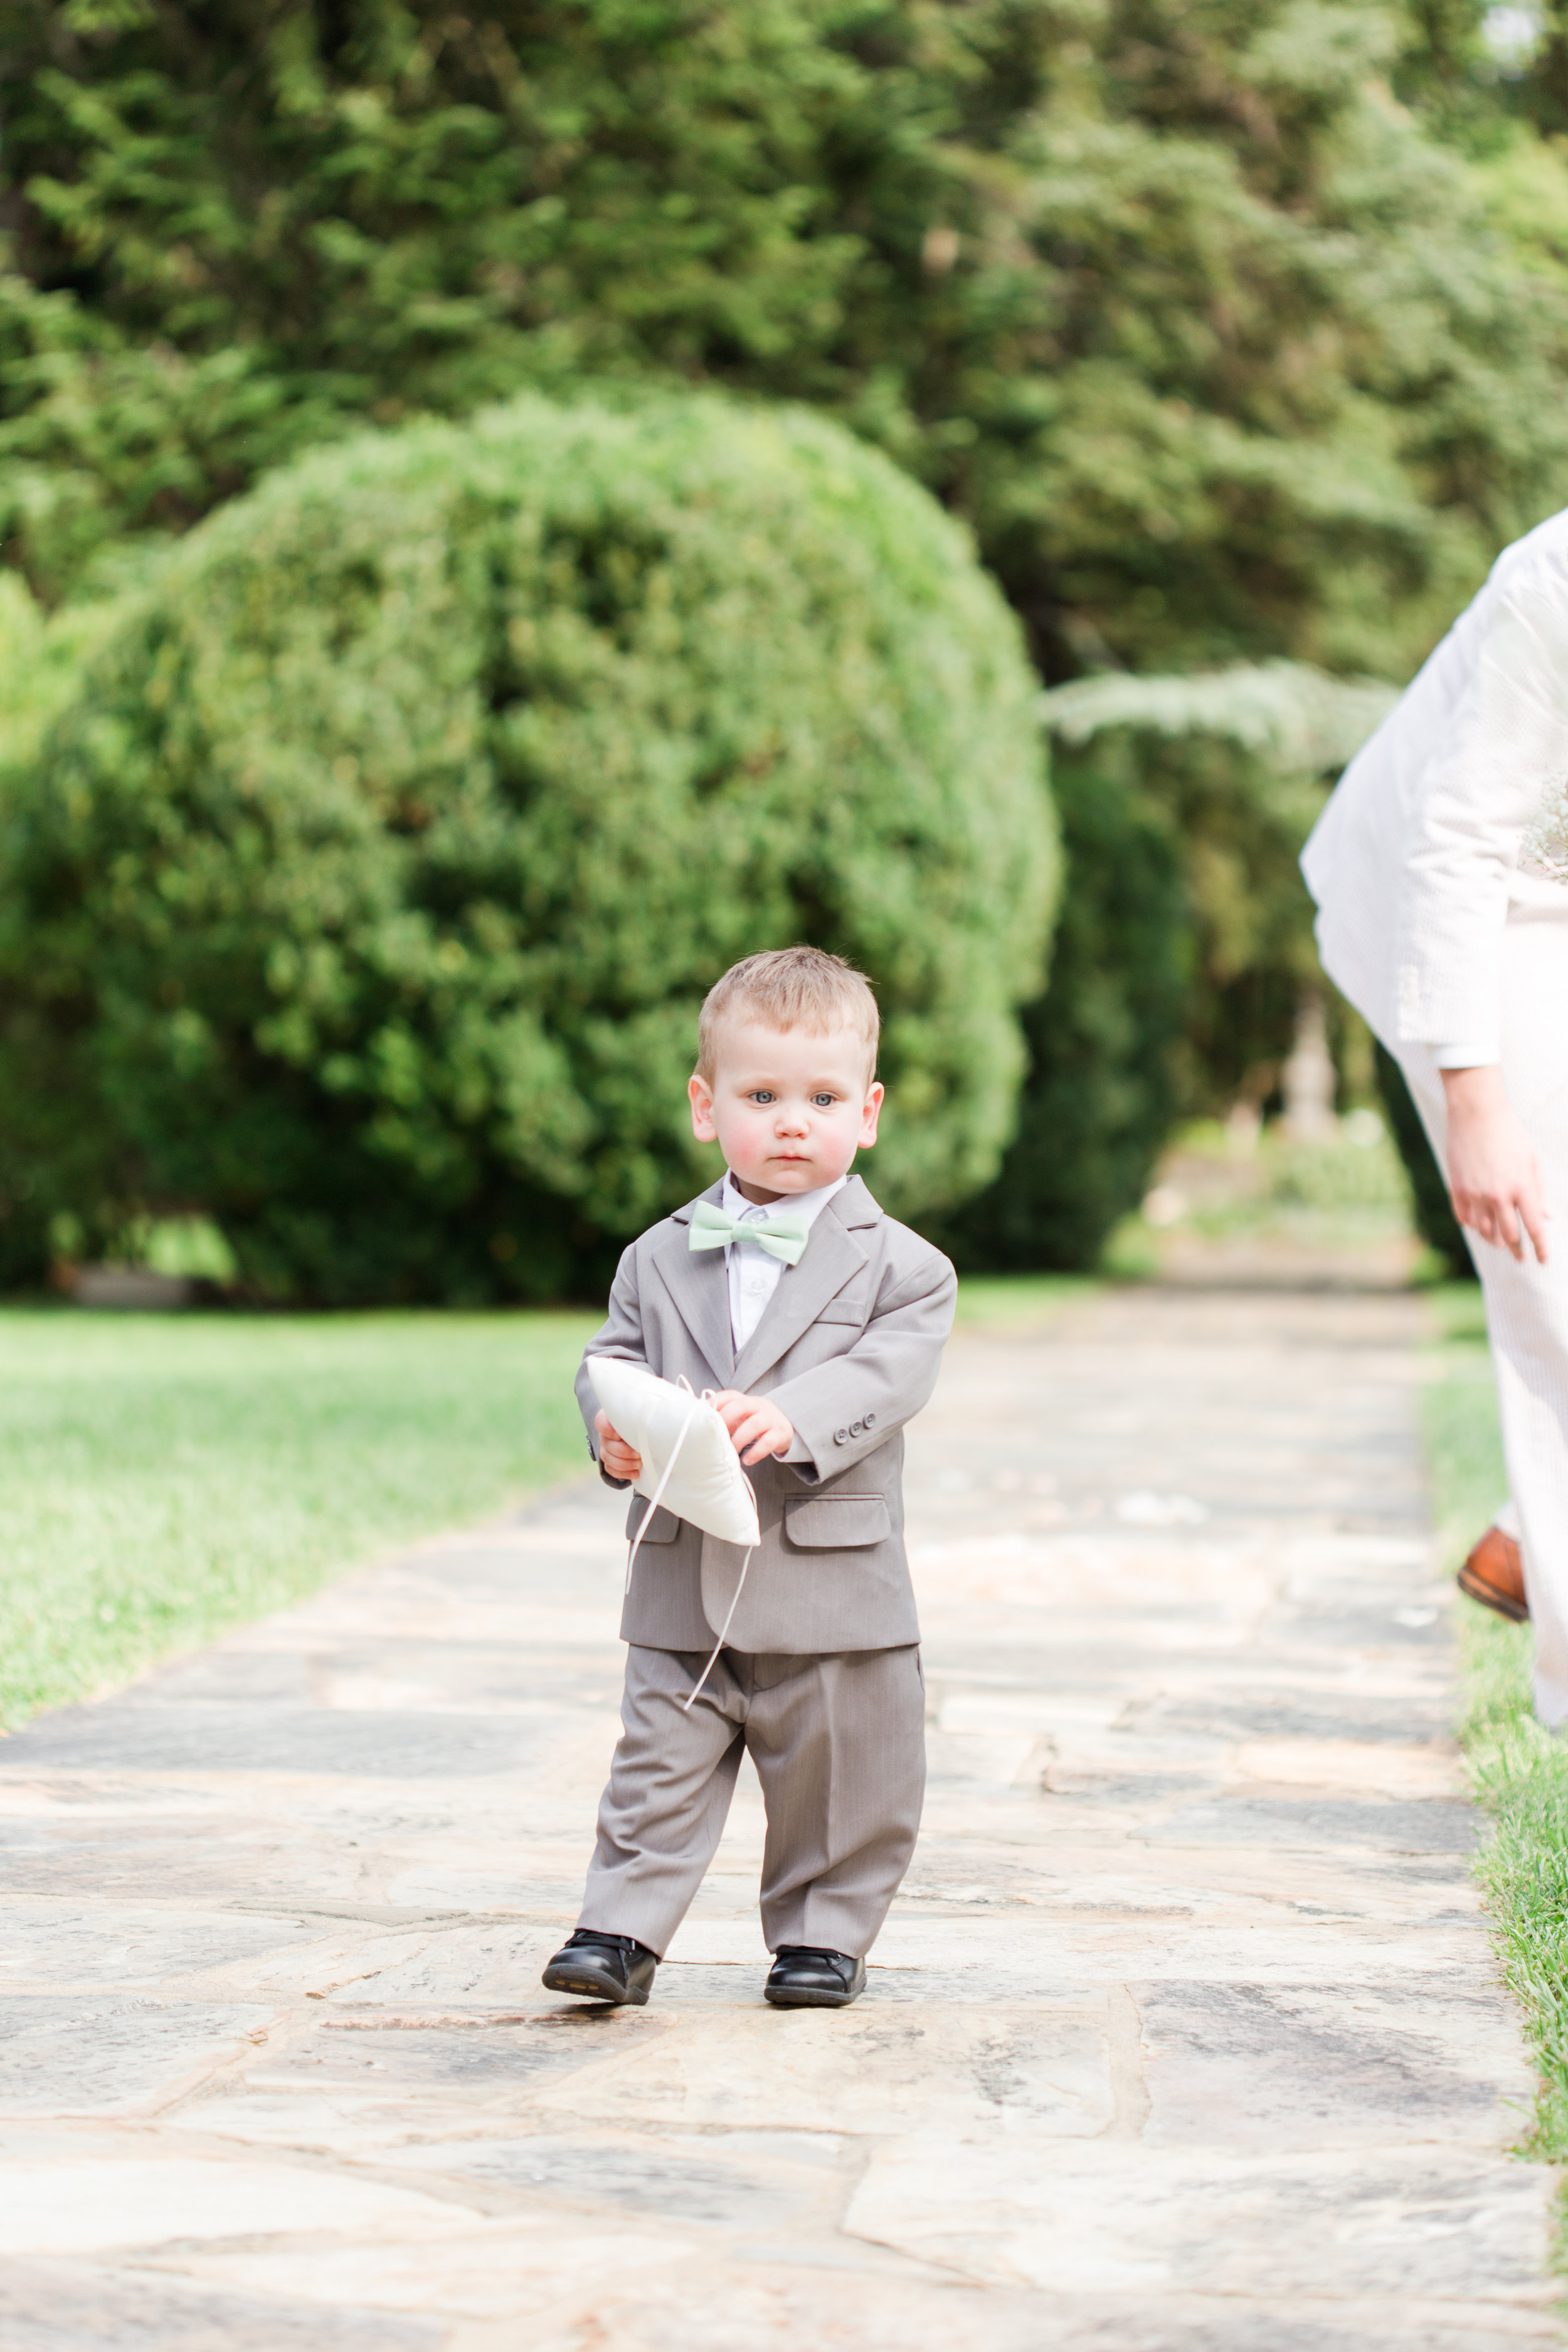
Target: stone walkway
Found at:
x=1184, y=2036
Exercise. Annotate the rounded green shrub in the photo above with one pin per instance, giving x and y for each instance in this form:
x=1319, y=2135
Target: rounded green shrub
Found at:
x=364, y=894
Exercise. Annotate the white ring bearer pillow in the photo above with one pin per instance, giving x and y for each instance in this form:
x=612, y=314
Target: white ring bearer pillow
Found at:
x=689, y=1463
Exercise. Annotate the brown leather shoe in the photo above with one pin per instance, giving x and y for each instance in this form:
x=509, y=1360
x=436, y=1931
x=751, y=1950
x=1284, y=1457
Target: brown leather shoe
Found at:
x=1494, y=1574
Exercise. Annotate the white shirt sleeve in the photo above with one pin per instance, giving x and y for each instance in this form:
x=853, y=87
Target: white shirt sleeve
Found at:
x=1484, y=790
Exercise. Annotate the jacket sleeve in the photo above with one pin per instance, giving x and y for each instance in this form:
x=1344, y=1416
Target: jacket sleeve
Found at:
x=1486, y=801
x=845, y=1409
x=620, y=1334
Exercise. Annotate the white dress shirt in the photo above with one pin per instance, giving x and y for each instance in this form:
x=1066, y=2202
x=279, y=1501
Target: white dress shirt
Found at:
x=754, y=1272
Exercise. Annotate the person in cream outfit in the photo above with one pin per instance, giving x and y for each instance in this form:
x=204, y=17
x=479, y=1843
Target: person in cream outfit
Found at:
x=1440, y=871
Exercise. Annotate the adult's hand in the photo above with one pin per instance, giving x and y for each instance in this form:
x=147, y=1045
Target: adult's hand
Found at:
x=1493, y=1176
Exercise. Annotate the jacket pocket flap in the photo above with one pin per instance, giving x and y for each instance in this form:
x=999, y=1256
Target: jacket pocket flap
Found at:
x=837, y=1522
x=845, y=1310
x=663, y=1528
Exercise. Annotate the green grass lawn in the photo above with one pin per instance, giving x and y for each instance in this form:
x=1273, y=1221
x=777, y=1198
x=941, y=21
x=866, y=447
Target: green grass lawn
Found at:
x=1001, y=1302
x=1520, y=1773
x=164, y=1476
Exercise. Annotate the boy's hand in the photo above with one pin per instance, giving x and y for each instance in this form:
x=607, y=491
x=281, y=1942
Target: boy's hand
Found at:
x=615, y=1456
x=756, y=1427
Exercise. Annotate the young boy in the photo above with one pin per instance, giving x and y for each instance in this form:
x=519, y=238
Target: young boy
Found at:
x=820, y=1322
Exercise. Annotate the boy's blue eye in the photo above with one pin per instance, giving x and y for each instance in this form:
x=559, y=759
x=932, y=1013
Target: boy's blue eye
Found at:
x=823, y=1102
x=761, y=1094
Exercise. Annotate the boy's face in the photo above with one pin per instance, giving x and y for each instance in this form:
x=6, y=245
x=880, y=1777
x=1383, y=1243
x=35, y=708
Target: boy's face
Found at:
x=789, y=1108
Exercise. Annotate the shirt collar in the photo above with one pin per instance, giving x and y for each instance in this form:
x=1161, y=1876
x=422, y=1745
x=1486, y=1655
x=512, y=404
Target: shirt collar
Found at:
x=810, y=1204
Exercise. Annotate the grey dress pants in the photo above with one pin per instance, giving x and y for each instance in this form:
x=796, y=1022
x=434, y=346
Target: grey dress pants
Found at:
x=838, y=1742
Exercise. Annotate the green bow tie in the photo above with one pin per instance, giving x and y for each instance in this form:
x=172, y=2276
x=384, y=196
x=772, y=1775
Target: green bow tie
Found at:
x=782, y=1233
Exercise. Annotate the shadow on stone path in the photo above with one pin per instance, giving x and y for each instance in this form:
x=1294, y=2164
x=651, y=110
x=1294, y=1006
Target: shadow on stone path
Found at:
x=1184, y=2036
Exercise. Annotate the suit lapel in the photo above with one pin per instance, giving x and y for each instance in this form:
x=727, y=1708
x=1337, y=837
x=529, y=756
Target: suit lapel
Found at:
x=832, y=1255
x=698, y=1282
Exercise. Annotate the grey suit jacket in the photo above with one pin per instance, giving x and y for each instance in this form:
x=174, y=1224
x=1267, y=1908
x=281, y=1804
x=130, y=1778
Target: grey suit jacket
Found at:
x=849, y=1345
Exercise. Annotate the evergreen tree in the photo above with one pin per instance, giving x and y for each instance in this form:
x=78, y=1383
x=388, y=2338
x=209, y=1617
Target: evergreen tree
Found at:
x=1212, y=343
x=1236, y=328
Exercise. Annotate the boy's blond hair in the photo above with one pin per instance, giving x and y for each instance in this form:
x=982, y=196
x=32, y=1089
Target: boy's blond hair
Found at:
x=790, y=988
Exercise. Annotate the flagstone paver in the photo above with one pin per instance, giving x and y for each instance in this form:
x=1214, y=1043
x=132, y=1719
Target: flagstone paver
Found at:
x=1185, y=2035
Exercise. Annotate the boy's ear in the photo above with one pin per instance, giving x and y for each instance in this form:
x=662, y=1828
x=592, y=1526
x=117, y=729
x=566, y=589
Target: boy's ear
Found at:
x=869, y=1116
x=701, y=1095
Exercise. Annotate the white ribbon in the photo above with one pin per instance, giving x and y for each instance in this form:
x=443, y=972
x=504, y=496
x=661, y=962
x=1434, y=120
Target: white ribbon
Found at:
x=658, y=1493
x=706, y=1397
x=722, y=1631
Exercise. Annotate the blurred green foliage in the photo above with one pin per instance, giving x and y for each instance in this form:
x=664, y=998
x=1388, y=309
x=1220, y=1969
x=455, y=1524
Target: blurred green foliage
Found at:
x=1342, y=1178
x=1236, y=329
x=1100, y=1091
x=1239, y=1201
x=1211, y=339
x=364, y=893
x=1184, y=940
x=1235, y=764
x=41, y=657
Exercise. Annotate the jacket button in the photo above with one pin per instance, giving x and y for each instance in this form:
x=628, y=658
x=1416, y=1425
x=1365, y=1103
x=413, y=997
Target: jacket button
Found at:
x=841, y=1437
x=871, y=1420
x=856, y=1428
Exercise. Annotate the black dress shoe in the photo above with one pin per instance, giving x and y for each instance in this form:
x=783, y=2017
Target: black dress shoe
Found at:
x=803, y=1977
x=603, y=1967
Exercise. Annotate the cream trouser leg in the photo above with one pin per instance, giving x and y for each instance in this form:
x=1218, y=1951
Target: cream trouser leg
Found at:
x=1527, y=1304
x=840, y=1746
